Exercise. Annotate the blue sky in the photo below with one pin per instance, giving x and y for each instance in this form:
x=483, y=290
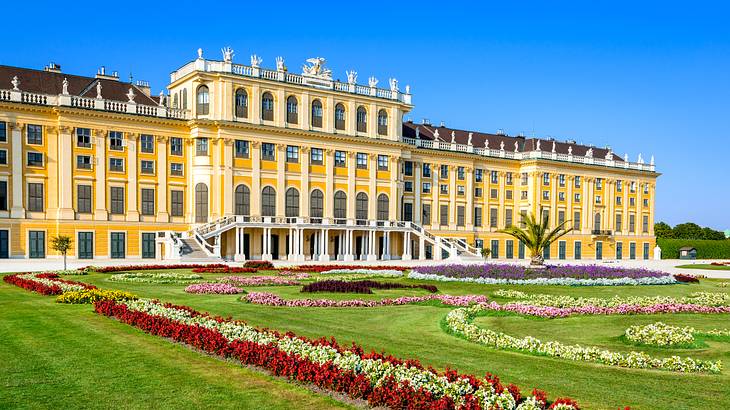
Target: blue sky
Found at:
x=642, y=77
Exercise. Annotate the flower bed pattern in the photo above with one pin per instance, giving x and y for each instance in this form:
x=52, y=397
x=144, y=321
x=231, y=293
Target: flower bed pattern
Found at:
x=259, y=265
x=324, y=268
x=378, y=272
x=571, y=275
x=109, y=269
x=660, y=334
x=381, y=380
x=270, y=299
x=264, y=280
x=214, y=289
x=158, y=278
x=225, y=269
x=538, y=299
x=88, y=296
x=45, y=283
x=459, y=322
x=360, y=286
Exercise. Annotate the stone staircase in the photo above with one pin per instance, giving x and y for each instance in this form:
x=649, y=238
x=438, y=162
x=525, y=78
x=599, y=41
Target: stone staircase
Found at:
x=191, y=251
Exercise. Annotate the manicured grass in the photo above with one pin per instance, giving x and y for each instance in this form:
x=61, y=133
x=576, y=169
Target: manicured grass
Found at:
x=414, y=331
x=65, y=356
x=704, y=266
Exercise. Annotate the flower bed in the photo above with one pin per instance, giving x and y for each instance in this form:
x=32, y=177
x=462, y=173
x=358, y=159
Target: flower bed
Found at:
x=572, y=275
x=375, y=272
x=109, y=269
x=214, y=288
x=660, y=334
x=159, y=278
x=263, y=280
x=360, y=286
x=45, y=283
x=259, y=265
x=324, y=268
x=717, y=332
x=459, y=322
x=88, y=296
x=270, y=299
x=563, y=301
x=225, y=269
x=382, y=381
x=681, y=277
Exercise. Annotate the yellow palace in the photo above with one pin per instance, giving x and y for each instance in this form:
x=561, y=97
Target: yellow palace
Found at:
x=244, y=162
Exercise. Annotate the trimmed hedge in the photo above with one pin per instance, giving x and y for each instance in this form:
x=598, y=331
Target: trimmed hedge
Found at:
x=706, y=249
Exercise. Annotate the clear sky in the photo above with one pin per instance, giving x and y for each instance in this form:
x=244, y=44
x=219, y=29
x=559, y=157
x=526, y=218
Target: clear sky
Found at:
x=642, y=77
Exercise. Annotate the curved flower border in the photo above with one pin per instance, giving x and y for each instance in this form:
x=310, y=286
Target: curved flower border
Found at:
x=660, y=334
x=661, y=280
x=270, y=299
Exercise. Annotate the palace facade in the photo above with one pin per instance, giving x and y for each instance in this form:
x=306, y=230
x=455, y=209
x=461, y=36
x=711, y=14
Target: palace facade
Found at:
x=241, y=162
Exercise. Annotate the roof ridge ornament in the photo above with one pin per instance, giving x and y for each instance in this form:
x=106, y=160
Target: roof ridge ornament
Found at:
x=471, y=134
x=280, y=64
x=227, y=54
x=517, y=146
x=256, y=61
x=317, y=68
x=351, y=76
x=372, y=82
x=393, y=85
x=65, y=86
x=15, y=82
x=98, y=90
x=130, y=95
x=200, y=53
x=453, y=137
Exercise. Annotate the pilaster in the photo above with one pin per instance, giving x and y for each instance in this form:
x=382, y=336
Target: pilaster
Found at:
x=18, y=209
x=256, y=178
x=162, y=170
x=100, y=213
x=65, y=167
x=227, y=187
x=132, y=186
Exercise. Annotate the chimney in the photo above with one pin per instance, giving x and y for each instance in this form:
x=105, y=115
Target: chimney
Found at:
x=101, y=73
x=442, y=124
x=144, y=86
x=52, y=68
x=426, y=121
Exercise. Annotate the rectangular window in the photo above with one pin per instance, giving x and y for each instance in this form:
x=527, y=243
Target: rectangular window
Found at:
x=598, y=199
x=493, y=193
x=382, y=162
x=561, y=250
x=444, y=189
x=576, y=181
x=632, y=223
x=427, y=170
x=493, y=217
x=148, y=201
x=176, y=203
x=115, y=140
x=646, y=251
x=495, y=249
x=523, y=216
x=176, y=169
x=34, y=134
x=646, y=202
x=632, y=201
x=508, y=178
x=494, y=178
x=478, y=192
x=292, y=153
x=509, y=251
x=408, y=186
x=147, y=167
x=3, y=131
x=361, y=160
x=460, y=190
x=618, y=200
x=577, y=198
x=176, y=146
x=116, y=164
x=444, y=171
x=619, y=222
x=561, y=196
x=523, y=178
x=83, y=137
x=561, y=217
x=444, y=217
x=645, y=224
x=117, y=245
x=577, y=251
x=599, y=183
x=408, y=212
x=35, y=197
x=148, y=245
x=632, y=250
x=36, y=244
x=317, y=156
x=201, y=147
x=619, y=185
x=3, y=157
x=632, y=188
x=478, y=175
x=508, y=217
x=545, y=195
x=241, y=148
x=561, y=180
x=426, y=214
x=268, y=151
x=408, y=168
x=3, y=195
x=459, y=216
x=523, y=194
x=83, y=162
x=147, y=143
x=478, y=216
x=576, y=221
x=116, y=196
x=546, y=179
x=35, y=159
x=460, y=173
x=341, y=159
x=83, y=199
x=426, y=187
x=85, y=245
x=619, y=250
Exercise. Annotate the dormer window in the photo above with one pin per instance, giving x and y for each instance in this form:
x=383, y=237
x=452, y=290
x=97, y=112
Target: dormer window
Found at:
x=317, y=114
x=362, y=119
x=241, y=103
x=203, y=100
x=340, y=117
x=267, y=107
x=382, y=122
x=292, y=110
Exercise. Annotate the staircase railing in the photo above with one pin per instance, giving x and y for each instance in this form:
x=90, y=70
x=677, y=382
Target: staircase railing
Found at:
x=210, y=250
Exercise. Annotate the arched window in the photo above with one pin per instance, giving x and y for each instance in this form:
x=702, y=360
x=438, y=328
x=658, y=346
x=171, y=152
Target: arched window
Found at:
x=316, y=204
x=185, y=99
x=597, y=222
x=241, y=103
x=383, y=207
x=361, y=206
x=340, y=205
x=292, y=203
x=362, y=119
x=268, y=201
x=317, y=114
x=243, y=200
x=201, y=203
x=202, y=101
x=175, y=101
x=292, y=110
x=267, y=107
x=382, y=122
x=340, y=117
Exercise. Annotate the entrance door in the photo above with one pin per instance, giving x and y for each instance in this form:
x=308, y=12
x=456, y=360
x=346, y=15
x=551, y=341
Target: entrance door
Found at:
x=632, y=250
x=561, y=250
x=521, y=250
x=37, y=244
x=148, y=246
x=275, y=246
x=358, y=247
x=247, y=246
x=599, y=250
x=4, y=244
x=86, y=245
x=380, y=246
x=619, y=250
x=337, y=247
x=118, y=245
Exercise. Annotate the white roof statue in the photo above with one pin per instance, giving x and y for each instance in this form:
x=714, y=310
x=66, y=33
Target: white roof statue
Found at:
x=609, y=155
x=317, y=68
x=372, y=82
x=641, y=160
x=98, y=90
x=408, y=89
x=626, y=157
x=538, y=145
x=393, y=85
x=280, y=64
x=436, y=135
x=517, y=146
x=570, y=150
x=256, y=61
x=65, y=86
x=200, y=53
x=130, y=95
x=501, y=146
x=553, y=150
x=15, y=82
x=227, y=54
x=486, y=143
x=589, y=153
x=453, y=137
x=351, y=76
x=418, y=133
x=471, y=134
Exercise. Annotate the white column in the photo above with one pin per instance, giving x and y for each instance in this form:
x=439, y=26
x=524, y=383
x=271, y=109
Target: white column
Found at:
x=371, y=246
x=386, y=246
x=324, y=256
x=437, y=256
x=290, y=242
x=349, y=248
x=421, y=248
x=18, y=209
x=406, y=246
x=267, y=245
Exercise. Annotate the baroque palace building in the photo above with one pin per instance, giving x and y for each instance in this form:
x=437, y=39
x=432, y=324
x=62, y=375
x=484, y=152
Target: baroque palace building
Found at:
x=241, y=162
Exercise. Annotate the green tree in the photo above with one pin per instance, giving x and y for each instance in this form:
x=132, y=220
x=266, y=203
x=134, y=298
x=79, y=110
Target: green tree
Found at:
x=663, y=230
x=486, y=252
x=536, y=236
x=62, y=243
x=687, y=230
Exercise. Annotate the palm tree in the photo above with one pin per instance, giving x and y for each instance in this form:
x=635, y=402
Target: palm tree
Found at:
x=536, y=236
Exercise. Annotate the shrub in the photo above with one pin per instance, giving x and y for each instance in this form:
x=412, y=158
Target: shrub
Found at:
x=361, y=286
x=227, y=269
x=681, y=277
x=706, y=249
x=89, y=296
x=260, y=265
x=324, y=268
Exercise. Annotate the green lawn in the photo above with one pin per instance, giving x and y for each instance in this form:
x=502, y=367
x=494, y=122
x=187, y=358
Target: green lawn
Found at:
x=704, y=266
x=414, y=331
x=65, y=356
